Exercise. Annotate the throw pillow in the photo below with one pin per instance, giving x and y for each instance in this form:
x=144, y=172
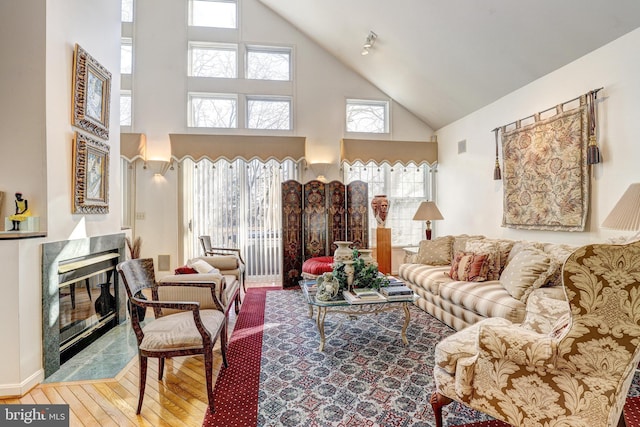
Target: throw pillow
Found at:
x=436, y=251
x=460, y=242
x=559, y=253
x=470, y=267
x=528, y=270
x=185, y=269
x=490, y=248
x=202, y=267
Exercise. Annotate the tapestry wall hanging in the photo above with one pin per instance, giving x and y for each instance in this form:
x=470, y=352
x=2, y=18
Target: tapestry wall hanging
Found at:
x=546, y=176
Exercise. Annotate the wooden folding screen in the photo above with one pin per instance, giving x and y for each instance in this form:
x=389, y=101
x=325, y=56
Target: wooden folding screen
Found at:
x=315, y=215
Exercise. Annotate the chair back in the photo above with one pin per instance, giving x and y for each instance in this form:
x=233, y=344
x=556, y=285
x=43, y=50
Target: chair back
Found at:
x=137, y=274
x=205, y=241
x=602, y=343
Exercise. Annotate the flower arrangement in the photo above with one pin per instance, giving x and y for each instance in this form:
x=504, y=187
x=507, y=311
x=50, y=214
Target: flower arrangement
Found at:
x=365, y=275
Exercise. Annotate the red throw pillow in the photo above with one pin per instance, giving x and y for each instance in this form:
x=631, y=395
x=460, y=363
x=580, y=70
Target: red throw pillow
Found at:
x=185, y=269
x=470, y=267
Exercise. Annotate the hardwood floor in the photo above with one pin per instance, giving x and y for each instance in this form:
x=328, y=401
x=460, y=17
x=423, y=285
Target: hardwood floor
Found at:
x=180, y=399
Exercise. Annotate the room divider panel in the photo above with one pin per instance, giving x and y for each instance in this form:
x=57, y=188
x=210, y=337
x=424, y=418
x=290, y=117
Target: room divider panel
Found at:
x=315, y=215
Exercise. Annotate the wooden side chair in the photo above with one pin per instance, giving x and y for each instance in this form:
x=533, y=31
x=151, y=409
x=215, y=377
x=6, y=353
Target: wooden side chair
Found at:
x=576, y=373
x=187, y=331
x=208, y=250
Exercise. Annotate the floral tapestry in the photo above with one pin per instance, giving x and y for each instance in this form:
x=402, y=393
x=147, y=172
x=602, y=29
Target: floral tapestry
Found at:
x=546, y=177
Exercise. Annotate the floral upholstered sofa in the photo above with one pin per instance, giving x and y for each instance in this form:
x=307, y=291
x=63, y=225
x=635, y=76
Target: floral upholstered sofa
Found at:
x=463, y=279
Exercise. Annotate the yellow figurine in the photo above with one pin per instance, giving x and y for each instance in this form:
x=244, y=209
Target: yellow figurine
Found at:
x=22, y=212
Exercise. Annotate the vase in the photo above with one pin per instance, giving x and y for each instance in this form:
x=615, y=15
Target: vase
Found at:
x=343, y=252
x=106, y=302
x=367, y=257
x=380, y=206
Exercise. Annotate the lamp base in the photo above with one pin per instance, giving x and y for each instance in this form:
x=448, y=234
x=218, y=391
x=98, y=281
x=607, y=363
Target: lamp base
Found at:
x=428, y=234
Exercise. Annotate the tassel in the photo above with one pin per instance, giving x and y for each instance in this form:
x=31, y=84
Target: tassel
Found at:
x=497, y=175
x=593, y=152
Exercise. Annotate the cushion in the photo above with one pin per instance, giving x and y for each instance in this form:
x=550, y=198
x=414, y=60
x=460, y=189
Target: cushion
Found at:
x=318, y=265
x=202, y=266
x=460, y=242
x=436, y=251
x=470, y=267
x=490, y=248
x=558, y=253
x=528, y=270
x=185, y=269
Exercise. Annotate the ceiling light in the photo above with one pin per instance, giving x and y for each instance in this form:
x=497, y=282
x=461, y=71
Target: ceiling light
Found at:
x=368, y=43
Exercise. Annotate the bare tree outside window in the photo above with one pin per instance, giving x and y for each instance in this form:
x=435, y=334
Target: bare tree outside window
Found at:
x=405, y=186
x=213, y=60
x=210, y=13
x=126, y=55
x=213, y=111
x=268, y=114
x=367, y=116
x=126, y=13
x=125, y=108
x=268, y=63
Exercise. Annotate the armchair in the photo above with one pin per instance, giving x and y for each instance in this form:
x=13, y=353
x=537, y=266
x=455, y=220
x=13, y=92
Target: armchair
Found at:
x=188, y=330
x=208, y=250
x=575, y=373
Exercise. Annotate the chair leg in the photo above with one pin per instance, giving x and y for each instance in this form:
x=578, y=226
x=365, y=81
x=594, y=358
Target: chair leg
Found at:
x=208, y=372
x=160, y=368
x=224, y=336
x=86, y=284
x=237, y=303
x=437, y=402
x=142, y=361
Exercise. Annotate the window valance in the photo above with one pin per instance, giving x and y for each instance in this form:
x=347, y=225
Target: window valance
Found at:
x=391, y=152
x=132, y=146
x=232, y=147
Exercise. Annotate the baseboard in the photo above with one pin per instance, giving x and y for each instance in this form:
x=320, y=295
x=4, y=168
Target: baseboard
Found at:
x=19, y=390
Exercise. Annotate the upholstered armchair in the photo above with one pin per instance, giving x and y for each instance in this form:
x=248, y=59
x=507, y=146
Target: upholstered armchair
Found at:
x=208, y=250
x=575, y=371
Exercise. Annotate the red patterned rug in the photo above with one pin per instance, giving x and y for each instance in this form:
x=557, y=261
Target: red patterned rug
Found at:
x=236, y=390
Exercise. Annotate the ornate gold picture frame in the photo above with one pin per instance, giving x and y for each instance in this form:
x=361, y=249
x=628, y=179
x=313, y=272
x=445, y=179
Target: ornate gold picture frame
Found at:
x=91, y=94
x=90, y=175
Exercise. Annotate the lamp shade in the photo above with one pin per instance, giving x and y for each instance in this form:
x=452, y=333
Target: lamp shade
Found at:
x=427, y=211
x=625, y=215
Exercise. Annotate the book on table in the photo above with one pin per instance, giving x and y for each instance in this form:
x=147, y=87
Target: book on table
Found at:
x=396, y=290
x=364, y=298
x=407, y=298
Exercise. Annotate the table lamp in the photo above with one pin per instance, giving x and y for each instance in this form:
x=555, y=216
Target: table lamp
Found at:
x=427, y=211
x=625, y=215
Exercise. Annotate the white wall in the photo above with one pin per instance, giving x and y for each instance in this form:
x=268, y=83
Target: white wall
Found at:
x=36, y=43
x=469, y=199
x=320, y=88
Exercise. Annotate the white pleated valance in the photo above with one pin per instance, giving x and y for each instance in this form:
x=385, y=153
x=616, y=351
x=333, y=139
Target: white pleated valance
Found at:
x=232, y=147
x=391, y=152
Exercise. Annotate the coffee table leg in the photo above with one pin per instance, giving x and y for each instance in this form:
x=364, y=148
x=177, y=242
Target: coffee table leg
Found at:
x=310, y=311
x=407, y=317
x=322, y=311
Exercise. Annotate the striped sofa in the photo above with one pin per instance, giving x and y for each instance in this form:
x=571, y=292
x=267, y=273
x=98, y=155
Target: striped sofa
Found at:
x=460, y=303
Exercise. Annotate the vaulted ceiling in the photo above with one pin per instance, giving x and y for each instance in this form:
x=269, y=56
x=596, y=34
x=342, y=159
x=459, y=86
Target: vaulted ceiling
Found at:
x=443, y=59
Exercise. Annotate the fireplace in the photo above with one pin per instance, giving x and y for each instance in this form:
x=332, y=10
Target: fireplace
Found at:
x=82, y=297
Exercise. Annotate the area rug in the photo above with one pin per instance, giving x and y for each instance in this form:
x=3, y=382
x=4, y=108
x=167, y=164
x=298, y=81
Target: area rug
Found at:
x=365, y=376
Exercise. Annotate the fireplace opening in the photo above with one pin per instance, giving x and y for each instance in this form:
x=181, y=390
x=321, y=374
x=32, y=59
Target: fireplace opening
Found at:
x=82, y=297
x=87, y=300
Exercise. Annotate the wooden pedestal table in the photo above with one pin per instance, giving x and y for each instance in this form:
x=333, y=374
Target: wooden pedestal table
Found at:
x=383, y=250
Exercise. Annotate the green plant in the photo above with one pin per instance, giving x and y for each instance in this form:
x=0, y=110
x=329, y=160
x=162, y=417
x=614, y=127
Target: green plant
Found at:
x=364, y=276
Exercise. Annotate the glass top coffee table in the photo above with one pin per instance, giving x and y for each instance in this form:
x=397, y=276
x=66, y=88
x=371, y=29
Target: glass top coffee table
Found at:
x=353, y=310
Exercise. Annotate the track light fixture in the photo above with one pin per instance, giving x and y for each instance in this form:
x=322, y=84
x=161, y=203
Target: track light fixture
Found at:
x=368, y=43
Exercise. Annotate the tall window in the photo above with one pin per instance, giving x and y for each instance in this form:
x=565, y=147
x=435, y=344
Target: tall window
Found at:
x=213, y=60
x=269, y=113
x=126, y=13
x=367, y=116
x=126, y=55
x=213, y=111
x=405, y=187
x=213, y=13
x=125, y=108
x=238, y=204
x=268, y=63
